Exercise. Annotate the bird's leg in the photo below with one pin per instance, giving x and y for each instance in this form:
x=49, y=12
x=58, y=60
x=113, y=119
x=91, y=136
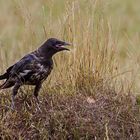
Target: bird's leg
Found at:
x=36, y=91
x=14, y=92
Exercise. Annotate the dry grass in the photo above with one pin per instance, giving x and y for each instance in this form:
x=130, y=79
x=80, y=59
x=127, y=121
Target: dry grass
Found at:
x=105, y=115
x=91, y=92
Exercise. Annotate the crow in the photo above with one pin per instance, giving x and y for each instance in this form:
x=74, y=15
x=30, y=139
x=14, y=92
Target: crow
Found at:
x=33, y=68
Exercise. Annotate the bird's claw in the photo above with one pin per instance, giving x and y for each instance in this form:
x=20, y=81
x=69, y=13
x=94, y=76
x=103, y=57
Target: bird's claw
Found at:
x=12, y=106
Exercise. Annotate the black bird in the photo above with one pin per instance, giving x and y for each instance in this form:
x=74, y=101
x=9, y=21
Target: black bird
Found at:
x=33, y=68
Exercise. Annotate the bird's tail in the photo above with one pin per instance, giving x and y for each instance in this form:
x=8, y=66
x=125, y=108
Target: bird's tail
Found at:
x=6, y=84
x=4, y=76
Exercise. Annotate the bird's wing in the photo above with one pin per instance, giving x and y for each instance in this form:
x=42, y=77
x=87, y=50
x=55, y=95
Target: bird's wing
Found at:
x=19, y=70
x=20, y=66
x=13, y=72
x=29, y=69
x=30, y=66
x=14, y=69
x=6, y=74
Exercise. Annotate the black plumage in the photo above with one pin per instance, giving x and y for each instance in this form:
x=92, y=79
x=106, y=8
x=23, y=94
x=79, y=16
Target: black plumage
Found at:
x=33, y=68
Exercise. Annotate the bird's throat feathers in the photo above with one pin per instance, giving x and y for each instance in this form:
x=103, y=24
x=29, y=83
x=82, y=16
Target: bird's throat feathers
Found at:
x=46, y=51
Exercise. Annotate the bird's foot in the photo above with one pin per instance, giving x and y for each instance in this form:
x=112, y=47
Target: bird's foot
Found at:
x=13, y=102
x=12, y=106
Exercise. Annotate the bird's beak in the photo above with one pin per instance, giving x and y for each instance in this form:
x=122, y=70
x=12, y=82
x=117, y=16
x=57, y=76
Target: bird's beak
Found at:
x=62, y=46
x=67, y=44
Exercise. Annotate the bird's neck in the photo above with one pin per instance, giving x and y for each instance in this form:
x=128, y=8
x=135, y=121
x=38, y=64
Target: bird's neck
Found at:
x=45, y=52
x=43, y=58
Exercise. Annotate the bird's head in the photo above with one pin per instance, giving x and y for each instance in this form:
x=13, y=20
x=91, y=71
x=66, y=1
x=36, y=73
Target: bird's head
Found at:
x=52, y=46
x=56, y=45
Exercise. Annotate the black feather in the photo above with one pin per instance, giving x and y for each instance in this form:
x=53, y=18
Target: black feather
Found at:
x=4, y=76
x=33, y=68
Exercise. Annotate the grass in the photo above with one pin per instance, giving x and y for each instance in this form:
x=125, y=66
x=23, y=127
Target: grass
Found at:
x=93, y=91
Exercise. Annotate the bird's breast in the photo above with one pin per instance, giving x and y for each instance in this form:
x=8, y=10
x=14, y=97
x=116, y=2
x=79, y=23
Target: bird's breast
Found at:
x=41, y=74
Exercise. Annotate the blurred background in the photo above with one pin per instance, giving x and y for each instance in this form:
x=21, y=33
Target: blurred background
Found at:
x=93, y=26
